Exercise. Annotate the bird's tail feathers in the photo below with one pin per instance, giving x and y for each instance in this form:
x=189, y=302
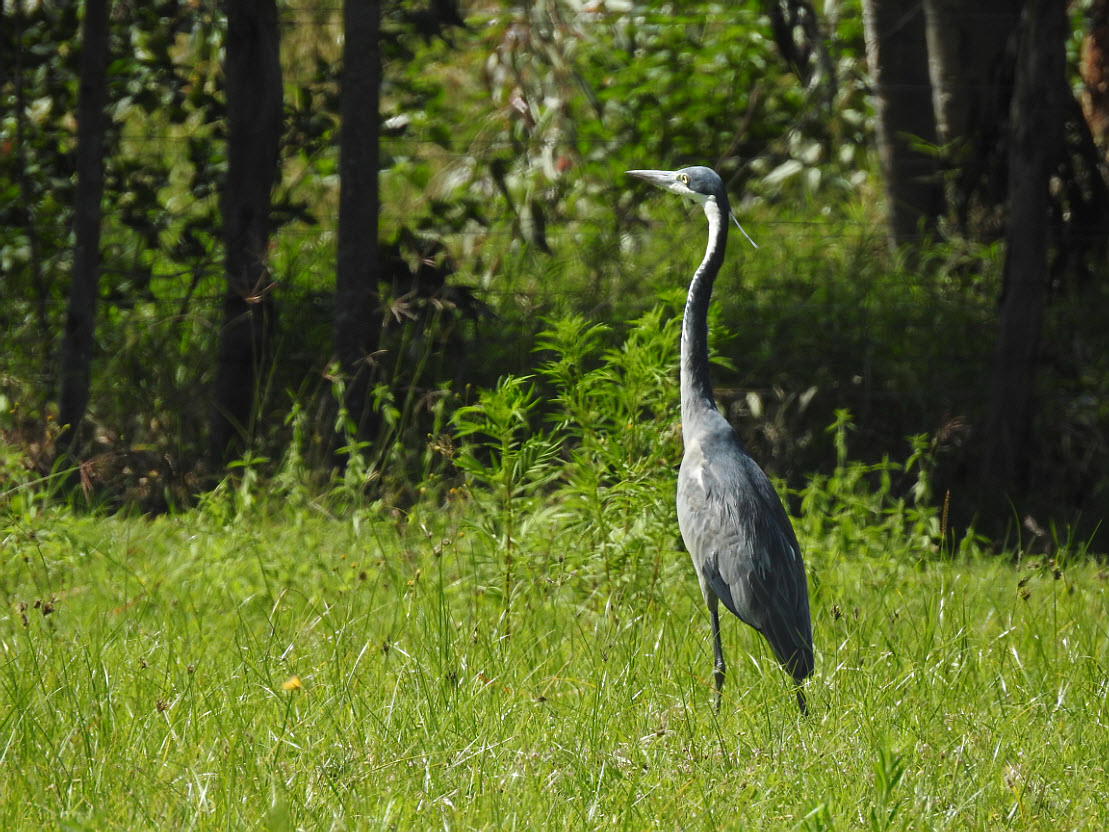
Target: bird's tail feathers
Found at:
x=793, y=651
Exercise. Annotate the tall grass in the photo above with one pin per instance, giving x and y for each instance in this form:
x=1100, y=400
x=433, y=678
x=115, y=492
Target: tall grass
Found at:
x=308, y=671
x=528, y=648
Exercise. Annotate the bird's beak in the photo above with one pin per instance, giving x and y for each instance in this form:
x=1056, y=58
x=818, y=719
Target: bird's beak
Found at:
x=664, y=179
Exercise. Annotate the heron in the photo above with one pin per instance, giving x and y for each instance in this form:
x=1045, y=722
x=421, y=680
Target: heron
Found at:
x=731, y=519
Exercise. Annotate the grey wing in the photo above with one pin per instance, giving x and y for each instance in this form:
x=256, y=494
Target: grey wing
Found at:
x=745, y=549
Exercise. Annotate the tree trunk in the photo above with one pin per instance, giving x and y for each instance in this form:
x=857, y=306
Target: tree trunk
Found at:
x=357, y=321
x=898, y=57
x=1036, y=149
x=1094, y=69
x=797, y=34
x=77, y=343
x=971, y=58
x=23, y=156
x=252, y=72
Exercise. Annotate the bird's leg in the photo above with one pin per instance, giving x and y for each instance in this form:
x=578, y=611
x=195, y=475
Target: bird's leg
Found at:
x=717, y=652
x=801, y=701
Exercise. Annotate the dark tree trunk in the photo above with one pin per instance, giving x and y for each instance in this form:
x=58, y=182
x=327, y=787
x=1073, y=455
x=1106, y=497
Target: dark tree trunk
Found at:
x=77, y=343
x=252, y=71
x=1038, y=112
x=971, y=59
x=26, y=192
x=357, y=320
x=897, y=54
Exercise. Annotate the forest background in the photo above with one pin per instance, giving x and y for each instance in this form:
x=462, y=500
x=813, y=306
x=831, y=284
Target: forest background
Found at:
x=339, y=416
x=245, y=239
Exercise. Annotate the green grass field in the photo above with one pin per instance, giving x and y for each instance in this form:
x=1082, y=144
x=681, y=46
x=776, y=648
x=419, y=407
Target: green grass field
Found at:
x=300, y=670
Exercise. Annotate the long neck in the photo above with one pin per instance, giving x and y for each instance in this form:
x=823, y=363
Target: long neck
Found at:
x=696, y=389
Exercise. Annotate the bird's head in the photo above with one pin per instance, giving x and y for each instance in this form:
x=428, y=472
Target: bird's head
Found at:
x=698, y=183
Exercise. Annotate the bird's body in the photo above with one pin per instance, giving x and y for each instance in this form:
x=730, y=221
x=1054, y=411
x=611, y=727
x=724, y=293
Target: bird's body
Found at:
x=731, y=519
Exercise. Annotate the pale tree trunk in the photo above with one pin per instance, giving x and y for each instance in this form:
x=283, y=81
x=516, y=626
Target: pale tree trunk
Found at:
x=357, y=320
x=971, y=59
x=897, y=54
x=252, y=70
x=801, y=43
x=1093, y=216
x=1094, y=69
x=77, y=343
x=1038, y=112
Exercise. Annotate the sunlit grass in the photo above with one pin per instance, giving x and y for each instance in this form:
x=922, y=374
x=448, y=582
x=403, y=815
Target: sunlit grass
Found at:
x=146, y=669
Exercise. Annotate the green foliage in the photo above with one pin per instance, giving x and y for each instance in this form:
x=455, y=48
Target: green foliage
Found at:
x=889, y=768
x=158, y=73
x=614, y=411
x=161, y=88
x=342, y=671
x=504, y=145
x=844, y=510
x=588, y=463
x=506, y=465
x=501, y=454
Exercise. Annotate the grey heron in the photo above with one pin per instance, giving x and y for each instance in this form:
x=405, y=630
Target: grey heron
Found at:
x=732, y=521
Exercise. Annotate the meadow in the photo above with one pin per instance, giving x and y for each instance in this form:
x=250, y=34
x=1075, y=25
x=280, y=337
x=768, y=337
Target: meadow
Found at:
x=268, y=660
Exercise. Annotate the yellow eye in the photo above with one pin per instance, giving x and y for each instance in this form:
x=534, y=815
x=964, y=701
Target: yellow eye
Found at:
x=683, y=178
